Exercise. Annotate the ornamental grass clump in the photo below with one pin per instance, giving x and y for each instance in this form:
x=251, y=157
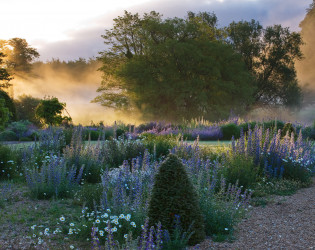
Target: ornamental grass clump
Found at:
x=173, y=194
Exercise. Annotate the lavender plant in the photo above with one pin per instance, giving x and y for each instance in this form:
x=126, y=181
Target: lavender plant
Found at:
x=52, y=179
x=52, y=140
x=77, y=154
x=276, y=156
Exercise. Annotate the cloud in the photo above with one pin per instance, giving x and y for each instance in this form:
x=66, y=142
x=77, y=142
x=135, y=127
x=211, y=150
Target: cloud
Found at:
x=87, y=42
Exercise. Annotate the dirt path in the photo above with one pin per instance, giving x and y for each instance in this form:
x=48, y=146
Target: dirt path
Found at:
x=287, y=223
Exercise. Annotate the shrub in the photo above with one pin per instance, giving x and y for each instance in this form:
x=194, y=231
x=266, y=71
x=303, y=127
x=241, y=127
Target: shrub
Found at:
x=294, y=170
x=247, y=125
x=116, y=151
x=308, y=132
x=158, y=145
x=173, y=194
x=22, y=129
x=67, y=132
x=8, y=102
x=8, y=135
x=288, y=128
x=93, y=135
x=241, y=169
x=230, y=130
x=272, y=125
x=25, y=139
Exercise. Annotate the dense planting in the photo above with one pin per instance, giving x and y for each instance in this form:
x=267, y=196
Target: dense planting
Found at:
x=130, y=192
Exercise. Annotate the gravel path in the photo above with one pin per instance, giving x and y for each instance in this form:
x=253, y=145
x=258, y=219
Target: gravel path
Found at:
x=287, y=223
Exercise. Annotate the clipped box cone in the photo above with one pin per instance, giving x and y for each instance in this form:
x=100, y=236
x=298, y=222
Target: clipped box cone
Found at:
x=174, y=194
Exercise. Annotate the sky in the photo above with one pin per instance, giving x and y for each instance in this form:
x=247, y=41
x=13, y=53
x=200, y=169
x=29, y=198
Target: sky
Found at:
x=69, y=29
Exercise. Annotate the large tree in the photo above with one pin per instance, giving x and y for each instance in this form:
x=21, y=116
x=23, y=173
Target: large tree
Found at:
x=5, y=77
x=25, y=108
x=49, y=111
x=19, y=55
x=270, y=56
x=172, y=69
x=4, y=114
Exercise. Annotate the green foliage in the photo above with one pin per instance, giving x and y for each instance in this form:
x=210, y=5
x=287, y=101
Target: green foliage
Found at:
x=294, y=171
x=273, y=125
x=220, y=217
x=308, y=132
x=9, y=104
x=49, y=111
x=247, y=125
x=93, y=135
x=68, y=133
x=269, y=55
x=116, y=151
x=242, y=170
x=212, y=82
x=19, y=55
x=275, y=187
x=4, y=114
x=158, y=145
x=288, y=128
x=25, y=108
x=85, y=156
x=89, y=195
x=5, y=77
x=178, y=239
x=8, y=135
x=174, y=195
x=22, y=129
x=230, y=130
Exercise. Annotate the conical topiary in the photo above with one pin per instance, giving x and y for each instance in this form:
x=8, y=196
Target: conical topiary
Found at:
x=173, y=194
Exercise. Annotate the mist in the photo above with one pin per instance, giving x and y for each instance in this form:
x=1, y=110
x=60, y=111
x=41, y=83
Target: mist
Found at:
x=72, y=83
x=305, y=67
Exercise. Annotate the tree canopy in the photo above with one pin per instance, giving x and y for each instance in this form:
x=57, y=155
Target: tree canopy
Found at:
x=19, y=55
x=25, y=108
x=188, y=67
x=49, y=111
x=5, y=77
x=174, y=68
x=269, y=55
x=4, y=114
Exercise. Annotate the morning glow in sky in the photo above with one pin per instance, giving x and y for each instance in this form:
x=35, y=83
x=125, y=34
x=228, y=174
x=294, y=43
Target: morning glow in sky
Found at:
x=51, y=21
x=69, y=29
